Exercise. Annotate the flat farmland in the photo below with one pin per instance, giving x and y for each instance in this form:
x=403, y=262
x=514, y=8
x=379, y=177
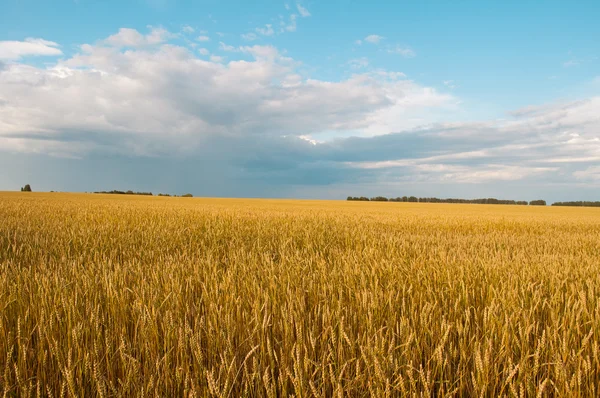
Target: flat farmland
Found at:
x=118, y=295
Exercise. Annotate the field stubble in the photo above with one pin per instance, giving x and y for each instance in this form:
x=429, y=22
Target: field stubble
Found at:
x=145, y=296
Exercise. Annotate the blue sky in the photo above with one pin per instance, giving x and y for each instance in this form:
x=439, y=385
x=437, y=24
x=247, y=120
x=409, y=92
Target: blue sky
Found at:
x=302, y=99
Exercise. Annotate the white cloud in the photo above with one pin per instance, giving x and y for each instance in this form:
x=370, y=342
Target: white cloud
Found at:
x=203, y=38
x=478, y=174
x=412, y=106
x=359, y=63
x=249, y=36
x=151, y=99
x=373, y=39
x=227, y=47
x=259, y=110
x=188, y=29
x=159, y=35
x=389, y=75
x=291, y=26
x=41, y=42
x=450, y=84
x=404, y=51
x=203, y=51
x=14, y=50
x=266, y=31
x=303, y=11
x=358, y=42
x=127, y=37
x=576, y=120
x=260, y=53
x=440, y=172
x=309, y=139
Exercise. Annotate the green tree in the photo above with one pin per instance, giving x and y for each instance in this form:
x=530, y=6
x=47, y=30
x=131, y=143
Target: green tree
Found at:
x=539, y=202
x=26, y=188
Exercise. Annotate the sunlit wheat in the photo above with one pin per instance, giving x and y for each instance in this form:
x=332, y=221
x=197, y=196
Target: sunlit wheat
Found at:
x=145, y=296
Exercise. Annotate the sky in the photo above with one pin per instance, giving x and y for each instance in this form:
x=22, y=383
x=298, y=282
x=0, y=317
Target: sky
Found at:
x=308, y=99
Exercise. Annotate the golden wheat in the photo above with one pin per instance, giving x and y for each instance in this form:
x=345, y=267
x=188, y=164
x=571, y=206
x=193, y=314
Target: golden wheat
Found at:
x=145, y=296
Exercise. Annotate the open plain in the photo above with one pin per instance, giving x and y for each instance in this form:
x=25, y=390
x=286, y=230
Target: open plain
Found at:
x=116, y=295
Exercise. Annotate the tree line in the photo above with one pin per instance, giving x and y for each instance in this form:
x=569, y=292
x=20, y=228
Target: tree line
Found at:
x=115, y=192
x=578, y=203
x=409, y=199
x=414, y=199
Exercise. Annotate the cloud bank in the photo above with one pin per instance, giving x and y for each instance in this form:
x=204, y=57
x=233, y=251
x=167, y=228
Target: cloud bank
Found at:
x=252, y=114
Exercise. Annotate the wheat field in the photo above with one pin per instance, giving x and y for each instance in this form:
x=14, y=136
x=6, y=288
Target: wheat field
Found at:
x=119, y=296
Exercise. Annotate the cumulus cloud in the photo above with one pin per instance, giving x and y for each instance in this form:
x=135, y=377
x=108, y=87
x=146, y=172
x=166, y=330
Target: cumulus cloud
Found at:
x=266, y=31
x=373, y=39
x=257, y=117
x=203, y=38
x=127, y=37
x=147, y=100
x=188, y=29
x=15, y=50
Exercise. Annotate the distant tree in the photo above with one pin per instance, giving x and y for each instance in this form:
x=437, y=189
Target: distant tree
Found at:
x=26, y=188
x=129, y=192
x=187, y=195
x=578, y=203
x=539, y=202
x=490, y=201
